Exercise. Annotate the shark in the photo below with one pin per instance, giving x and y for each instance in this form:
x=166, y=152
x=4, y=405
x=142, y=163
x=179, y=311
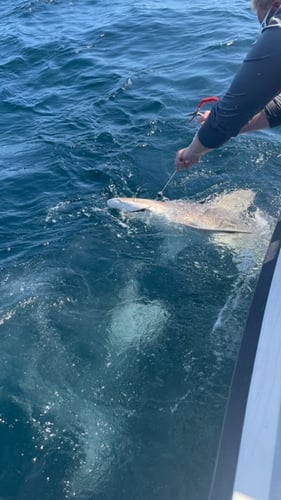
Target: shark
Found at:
x=225, y=213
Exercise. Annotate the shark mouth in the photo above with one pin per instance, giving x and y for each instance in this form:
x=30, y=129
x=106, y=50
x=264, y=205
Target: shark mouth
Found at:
x=123, y=205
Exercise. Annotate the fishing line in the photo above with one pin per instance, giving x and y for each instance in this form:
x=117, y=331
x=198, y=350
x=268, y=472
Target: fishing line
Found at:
x=160, y=195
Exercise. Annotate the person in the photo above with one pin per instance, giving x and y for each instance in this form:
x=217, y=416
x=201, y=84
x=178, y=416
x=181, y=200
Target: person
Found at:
x=253, y=100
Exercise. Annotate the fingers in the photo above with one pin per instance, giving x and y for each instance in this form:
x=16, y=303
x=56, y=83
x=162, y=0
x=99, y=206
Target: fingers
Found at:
x=202, y=117
x=184, y=159
x=180, y=162
x=187, y=157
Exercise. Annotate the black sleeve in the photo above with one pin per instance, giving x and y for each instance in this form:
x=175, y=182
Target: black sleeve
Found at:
x=257, y=82
x=273, y=111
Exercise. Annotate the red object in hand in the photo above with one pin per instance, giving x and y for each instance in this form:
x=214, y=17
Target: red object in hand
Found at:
x=202, y=103
x=205, y=100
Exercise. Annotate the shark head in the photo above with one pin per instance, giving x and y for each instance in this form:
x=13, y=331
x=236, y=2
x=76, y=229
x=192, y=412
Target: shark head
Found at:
x=128, y=204
x=133, y=205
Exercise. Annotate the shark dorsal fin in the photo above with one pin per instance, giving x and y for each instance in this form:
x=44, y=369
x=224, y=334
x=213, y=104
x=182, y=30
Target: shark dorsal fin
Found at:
x=239, y=200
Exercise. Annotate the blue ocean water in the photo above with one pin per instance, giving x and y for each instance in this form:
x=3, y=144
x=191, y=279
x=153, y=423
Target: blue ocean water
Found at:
x=118, y=338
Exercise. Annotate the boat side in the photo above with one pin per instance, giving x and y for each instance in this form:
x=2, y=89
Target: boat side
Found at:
x=249, y=453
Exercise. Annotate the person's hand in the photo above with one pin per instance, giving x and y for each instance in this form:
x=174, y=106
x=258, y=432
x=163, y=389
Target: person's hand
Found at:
x=185, y=158
x=202, y=117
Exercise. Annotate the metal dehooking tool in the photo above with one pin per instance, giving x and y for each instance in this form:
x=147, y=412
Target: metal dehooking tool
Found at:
x=202, y=103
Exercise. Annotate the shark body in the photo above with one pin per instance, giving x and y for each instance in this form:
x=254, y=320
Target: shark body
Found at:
x=226, y=213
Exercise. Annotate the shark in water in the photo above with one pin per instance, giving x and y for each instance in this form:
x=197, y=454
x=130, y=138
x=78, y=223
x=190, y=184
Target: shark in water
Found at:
x=226, y=213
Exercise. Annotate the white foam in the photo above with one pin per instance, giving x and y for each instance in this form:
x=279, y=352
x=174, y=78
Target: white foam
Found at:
x=135, y=319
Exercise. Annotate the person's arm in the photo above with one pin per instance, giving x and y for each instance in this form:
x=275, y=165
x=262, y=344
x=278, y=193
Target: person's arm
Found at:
x=258, y=122
x=189, y=156
x=257, y=82
x=273, y=112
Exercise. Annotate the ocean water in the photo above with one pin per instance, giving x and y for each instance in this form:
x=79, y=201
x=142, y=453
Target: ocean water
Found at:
x=118, y=337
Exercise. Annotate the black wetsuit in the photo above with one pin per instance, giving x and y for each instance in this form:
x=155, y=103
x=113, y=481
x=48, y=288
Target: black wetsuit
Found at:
x=256, y=86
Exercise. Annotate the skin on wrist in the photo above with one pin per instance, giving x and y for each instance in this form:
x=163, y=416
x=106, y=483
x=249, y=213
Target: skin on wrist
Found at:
x=258, y=122
x=196, y=147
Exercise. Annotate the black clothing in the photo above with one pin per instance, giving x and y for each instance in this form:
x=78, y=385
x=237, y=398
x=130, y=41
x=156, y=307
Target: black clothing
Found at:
x=256, y=86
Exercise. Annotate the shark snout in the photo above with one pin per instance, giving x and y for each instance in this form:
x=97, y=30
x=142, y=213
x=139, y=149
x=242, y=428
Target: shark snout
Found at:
x=127, y=205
